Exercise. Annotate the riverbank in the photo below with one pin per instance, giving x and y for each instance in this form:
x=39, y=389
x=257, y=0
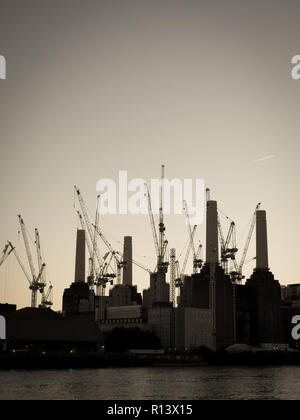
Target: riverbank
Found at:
x=42, y=360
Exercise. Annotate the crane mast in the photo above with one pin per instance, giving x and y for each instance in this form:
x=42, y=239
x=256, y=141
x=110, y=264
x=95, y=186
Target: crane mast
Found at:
x=173, y=276
x=162, y=266
x=40, y=260
x=152, y=222
x=46, y=300
x=36, y=283
x=27, y=247
x=188, y=250
x=237, y=275
x=197, y=262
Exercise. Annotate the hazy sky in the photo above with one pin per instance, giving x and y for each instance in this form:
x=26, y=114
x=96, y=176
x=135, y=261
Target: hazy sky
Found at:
x=94, y=87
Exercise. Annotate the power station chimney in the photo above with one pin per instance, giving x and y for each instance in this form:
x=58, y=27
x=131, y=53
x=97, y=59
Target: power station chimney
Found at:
x=80, y=257
x=212, y=240
x=127, y=258
x=262, y=261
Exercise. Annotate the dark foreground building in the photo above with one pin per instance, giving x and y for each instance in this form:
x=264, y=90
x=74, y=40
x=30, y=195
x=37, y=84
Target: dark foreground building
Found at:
x=264, y=293
x=39, y=328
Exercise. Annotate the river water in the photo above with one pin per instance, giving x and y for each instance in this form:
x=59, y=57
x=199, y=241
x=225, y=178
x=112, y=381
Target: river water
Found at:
x=153, y=383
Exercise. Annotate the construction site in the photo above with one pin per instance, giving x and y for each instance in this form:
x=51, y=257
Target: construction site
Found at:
x=213, y=307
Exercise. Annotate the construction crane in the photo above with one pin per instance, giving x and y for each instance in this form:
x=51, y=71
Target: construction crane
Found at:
x=46, y=300
x=160, y=241
x=237, y=275
x=97, y=276
x=180, y=273
x=190, y=246
x=89, y=228
x=103, y=277
x=173, y=276
x=197, y=261
x=152, y=222
x=115, y=254
x=162, y=264
x=228, y=245
x=179, y=277
x=138, y=264
x=5, y=253
x=36, y=282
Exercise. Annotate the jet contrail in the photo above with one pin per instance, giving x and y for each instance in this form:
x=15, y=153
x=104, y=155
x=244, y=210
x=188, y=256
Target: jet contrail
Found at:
x=264, y=158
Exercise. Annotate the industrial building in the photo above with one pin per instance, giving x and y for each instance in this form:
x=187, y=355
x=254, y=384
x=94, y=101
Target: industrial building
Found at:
x=214, y=309
x=45, y=329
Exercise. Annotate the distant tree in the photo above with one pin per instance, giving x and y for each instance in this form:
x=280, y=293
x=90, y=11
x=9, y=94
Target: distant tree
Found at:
x=121, y=339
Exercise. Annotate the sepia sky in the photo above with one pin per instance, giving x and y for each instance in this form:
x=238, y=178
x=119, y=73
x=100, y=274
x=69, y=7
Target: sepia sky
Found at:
x=94, y=87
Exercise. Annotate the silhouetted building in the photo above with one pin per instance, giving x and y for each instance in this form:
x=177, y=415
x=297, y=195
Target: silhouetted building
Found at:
x=121, y=295
x=193, y=328
x=78, y=301
x=161, y=319
x=45, y=329
x=6, y=308
x=159, y=291
x=243, y=300
x=211, y=291
x=265, y=293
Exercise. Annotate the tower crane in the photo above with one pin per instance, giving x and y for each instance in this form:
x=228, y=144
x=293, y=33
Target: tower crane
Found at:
x=103, y=277
x=152, y=222
x=160, y=241
x=97, y=276
x=162, y=264
x=33, y=286
x=197, y=262
x=46, y=301
x=5, y=253
x=138, y=264
x=88, y=226
x=115, y=254
x=237, y=275
x=173, y=276
x=36, y=282
x=180, y=273
x=228, y=245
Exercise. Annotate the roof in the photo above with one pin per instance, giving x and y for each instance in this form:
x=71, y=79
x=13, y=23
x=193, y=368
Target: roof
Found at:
x=30, y=313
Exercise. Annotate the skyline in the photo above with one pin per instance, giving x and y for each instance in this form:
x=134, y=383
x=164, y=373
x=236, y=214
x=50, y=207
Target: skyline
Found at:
x=204, y=89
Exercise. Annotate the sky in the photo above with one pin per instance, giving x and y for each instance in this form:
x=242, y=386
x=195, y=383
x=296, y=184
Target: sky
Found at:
x=95, y=87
